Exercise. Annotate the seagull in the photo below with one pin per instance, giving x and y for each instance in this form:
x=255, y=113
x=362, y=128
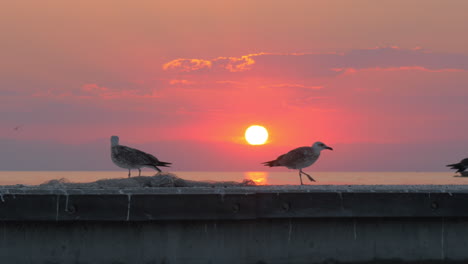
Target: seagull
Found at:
x=299, y=158
x=130, y=158
x=460, y=167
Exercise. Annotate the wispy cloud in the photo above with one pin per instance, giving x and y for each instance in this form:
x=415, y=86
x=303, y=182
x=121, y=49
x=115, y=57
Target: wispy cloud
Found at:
x=92, y=90
x=230, y=64
x=187, y=65
x=393, y=69
x=293, y=86
x=180, y=82
x=309, y=65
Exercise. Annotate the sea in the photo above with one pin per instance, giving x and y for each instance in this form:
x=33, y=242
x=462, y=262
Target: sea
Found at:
x=259, y=177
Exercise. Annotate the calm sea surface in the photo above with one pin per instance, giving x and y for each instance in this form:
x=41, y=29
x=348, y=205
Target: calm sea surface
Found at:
x=260, y=177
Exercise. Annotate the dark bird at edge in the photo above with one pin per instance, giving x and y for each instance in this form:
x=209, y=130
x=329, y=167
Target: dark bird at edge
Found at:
x=460, y=167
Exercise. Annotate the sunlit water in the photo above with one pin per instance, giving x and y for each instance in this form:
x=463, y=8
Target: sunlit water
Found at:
x=260, y=177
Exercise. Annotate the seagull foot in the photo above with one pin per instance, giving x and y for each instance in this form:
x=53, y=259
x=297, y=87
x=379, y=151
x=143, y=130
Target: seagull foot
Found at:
x=308, y=176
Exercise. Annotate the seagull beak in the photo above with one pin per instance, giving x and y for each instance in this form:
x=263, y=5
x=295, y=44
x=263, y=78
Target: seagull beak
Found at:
x=327, y=147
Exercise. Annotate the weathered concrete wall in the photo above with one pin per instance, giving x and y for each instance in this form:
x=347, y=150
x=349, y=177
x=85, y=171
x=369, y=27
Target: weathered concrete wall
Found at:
x=319, y=240
x=399, y=224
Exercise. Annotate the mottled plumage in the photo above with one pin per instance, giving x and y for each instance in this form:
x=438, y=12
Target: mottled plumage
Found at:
x=130, y=158
x=299, y=158
x=460, y=167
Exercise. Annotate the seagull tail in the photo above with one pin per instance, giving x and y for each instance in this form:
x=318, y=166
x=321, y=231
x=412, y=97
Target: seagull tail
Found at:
x=271, y=163
x=164, y=164
x=161, y=164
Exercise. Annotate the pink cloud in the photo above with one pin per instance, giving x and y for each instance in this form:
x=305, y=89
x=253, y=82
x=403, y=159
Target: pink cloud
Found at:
x=293, y=85
x=311, y=65
x=182, y=82
x=393, y=69
x=94, y=88
x=187, y=65
x=234, y=64
x=231, y=64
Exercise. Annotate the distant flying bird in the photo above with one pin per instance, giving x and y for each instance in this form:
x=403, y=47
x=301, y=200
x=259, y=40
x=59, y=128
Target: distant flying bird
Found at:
x=299, y=158
x=17, y=128
x=130, y=158
x=460, y=167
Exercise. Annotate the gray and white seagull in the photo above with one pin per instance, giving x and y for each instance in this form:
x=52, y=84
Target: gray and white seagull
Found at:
x=299, y=158
x=130, y=158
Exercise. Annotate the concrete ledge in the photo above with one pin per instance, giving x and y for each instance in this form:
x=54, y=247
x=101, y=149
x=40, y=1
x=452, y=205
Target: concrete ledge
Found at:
x=261, y=241
x=268, y=202
x=257, y=225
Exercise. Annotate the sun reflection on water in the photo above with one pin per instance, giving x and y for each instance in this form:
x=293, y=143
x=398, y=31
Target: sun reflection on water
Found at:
x=259, y=177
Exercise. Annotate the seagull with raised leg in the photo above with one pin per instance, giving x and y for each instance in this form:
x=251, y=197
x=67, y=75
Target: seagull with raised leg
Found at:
x=299, y=158
x=130, y=158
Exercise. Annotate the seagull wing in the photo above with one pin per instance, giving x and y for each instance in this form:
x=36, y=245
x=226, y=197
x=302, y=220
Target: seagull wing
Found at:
x=297, y=156
x=134, y=156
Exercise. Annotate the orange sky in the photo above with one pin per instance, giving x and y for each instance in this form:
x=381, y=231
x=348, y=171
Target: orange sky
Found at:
x=199, y=72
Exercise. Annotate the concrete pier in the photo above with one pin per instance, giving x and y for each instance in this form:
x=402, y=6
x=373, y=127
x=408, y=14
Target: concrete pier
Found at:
x=265, y=224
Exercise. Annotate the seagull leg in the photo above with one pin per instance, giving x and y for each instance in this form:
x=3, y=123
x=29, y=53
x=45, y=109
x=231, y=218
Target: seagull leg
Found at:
x=129, y=173
x=308, y=176
x=300, y=177
x=139, y=172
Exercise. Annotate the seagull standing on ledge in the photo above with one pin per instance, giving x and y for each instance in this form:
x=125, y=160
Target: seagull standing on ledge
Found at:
x=130, y=158
x=460, y=167
x=299, y=158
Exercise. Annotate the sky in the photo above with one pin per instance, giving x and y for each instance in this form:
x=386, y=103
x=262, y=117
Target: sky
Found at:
x=385, y=83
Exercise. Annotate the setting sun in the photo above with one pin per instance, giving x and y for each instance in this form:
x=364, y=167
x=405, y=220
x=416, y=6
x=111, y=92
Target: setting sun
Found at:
x=256, y=135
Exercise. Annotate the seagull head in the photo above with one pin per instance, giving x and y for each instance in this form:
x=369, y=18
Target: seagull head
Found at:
x=114, y=140
x=320, y=146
